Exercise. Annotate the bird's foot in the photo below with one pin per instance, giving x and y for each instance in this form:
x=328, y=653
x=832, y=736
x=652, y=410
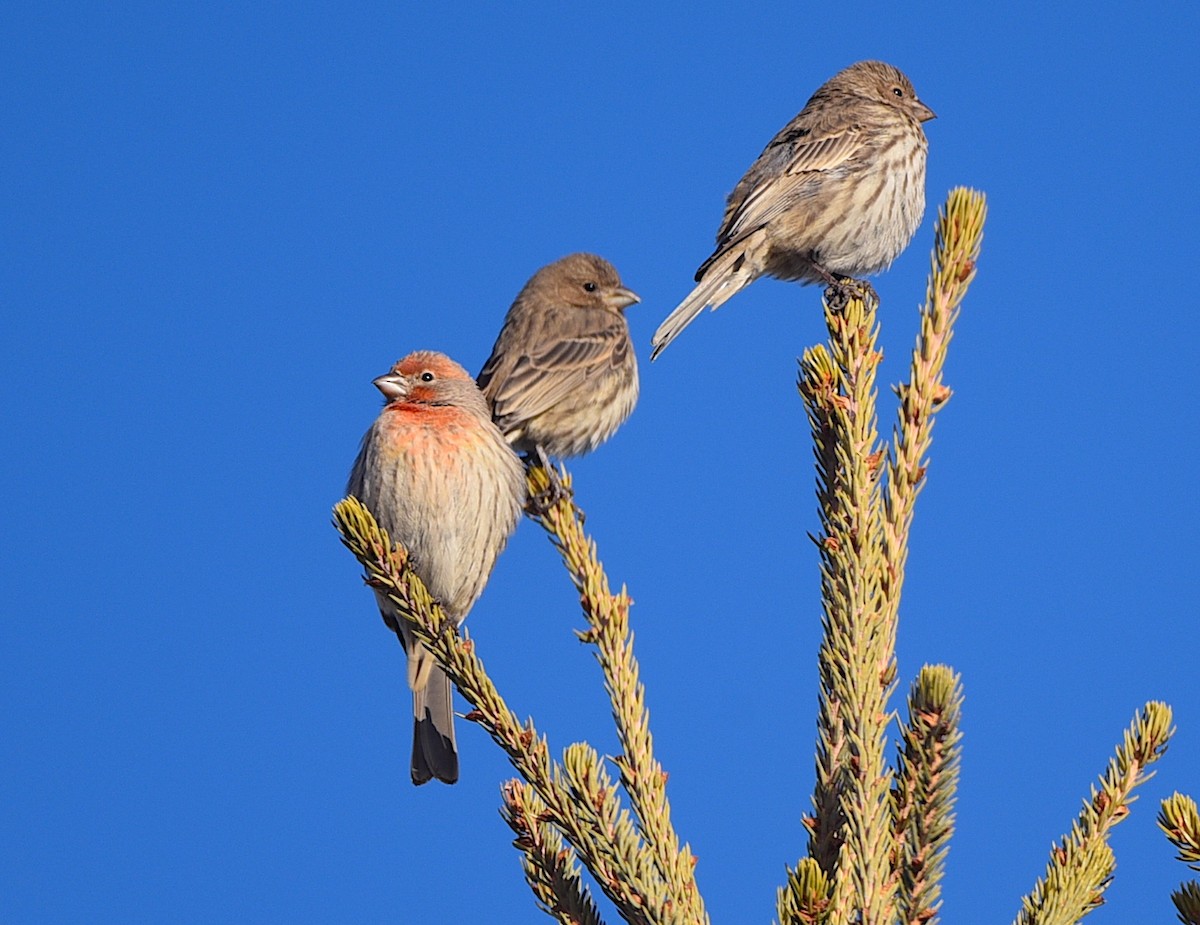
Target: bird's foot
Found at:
x=844, y=289
x=538, y=505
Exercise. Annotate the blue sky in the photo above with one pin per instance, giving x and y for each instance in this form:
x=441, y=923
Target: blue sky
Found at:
x=220, y=225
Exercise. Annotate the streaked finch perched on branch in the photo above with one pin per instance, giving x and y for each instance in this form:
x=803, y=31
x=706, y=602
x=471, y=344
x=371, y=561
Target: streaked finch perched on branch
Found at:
x=837, y=194
x=562, y=376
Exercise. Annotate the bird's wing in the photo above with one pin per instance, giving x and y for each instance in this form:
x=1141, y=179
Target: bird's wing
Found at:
x=540, y=379
x=792, y=160
x=822, y=150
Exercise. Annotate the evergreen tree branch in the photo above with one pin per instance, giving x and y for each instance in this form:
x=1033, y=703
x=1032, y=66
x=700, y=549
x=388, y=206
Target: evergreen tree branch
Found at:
x=579, y=801
x=1082, y=864
x=923, y=796
x=863, y=547
x=1180, y=820
x=1187, y=902
x=957, y=243
x=850, y=833
x=551, y=869
x=804, y=899
x=818, y=387
x=607, y=615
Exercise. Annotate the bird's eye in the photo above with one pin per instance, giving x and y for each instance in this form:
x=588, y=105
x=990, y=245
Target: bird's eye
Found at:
x=590, y=286
x=427, y=377
x=899, y=92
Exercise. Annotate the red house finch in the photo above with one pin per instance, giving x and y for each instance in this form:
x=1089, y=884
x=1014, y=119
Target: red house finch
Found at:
x=562, y=376
x=839, y=192
x=439, y=477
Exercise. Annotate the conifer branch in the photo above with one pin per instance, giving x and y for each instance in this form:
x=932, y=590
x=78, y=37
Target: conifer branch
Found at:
x=1180, y=820
x=923, y=796
x=818, y=385
x=804, y=899
x=607, y=615
x=850, y=832
x=579, y=800
x=863, y=547
x=551, y=869
x=957, y=244
x=1082, y=864
x=1187, y=902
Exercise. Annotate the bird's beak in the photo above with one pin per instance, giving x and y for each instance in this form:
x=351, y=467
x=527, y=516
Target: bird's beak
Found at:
x=621, y=298
x=924, y=113
x=391, y=385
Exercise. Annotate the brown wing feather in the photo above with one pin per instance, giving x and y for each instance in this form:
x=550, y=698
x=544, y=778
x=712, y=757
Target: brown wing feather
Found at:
x=759, y=197
x=536, y=381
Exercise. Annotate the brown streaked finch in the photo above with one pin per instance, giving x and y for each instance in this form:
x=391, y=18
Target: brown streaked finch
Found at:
x=437, y=474
x=563, y=376
x=837, y=194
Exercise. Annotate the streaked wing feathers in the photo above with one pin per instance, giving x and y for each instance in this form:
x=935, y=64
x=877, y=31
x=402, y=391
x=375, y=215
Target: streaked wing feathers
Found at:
x=765, y=192
x=538, y=381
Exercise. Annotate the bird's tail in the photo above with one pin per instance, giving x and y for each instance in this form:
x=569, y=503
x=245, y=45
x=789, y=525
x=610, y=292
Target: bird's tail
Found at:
x=434, y=750
x=721, y=276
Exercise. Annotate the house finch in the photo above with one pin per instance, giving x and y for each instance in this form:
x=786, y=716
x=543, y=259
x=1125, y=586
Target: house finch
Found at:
x=839, y=192
x=562, y=376
x=439, y=477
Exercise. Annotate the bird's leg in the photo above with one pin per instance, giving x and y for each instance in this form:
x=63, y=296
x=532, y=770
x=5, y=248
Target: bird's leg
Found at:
x=537, y=506
x=829, y=278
